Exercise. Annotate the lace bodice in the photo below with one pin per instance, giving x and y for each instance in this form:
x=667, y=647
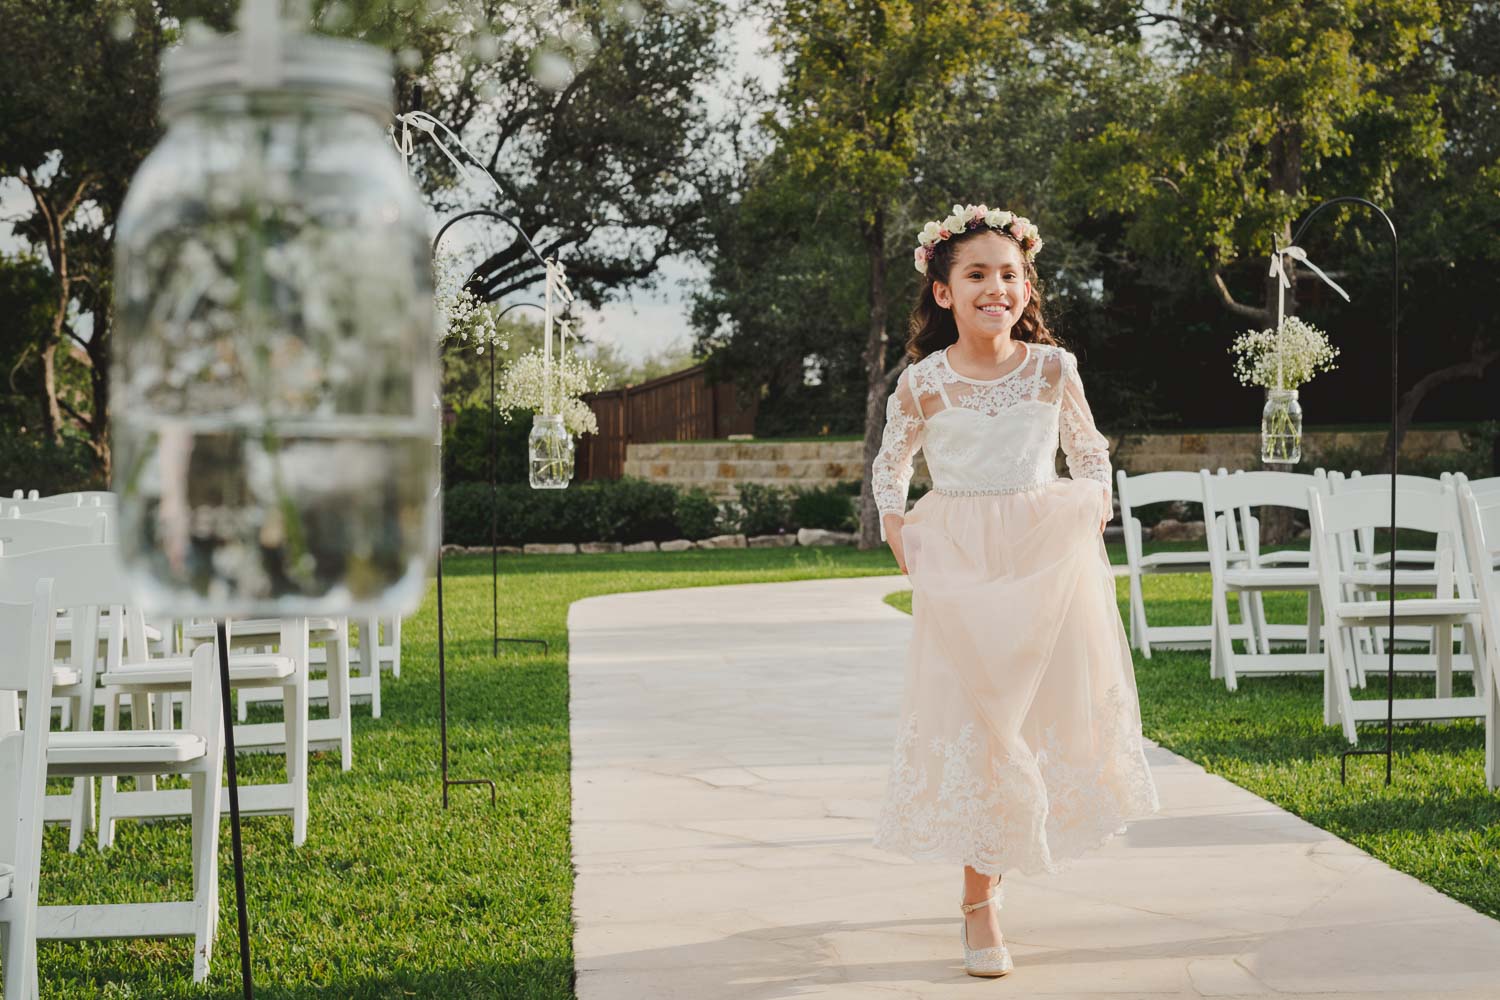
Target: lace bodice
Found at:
x=988, y=436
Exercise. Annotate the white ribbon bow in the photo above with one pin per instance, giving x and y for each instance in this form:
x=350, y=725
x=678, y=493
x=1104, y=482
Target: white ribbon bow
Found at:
x=424, y=122
x=1278, y=268
x=558, y=275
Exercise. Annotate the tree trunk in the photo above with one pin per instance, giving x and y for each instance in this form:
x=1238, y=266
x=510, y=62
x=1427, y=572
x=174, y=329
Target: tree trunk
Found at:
x=52, y=414
x=1480, y=359
x=1286, y=179
x=875, y=382
x=98, y=350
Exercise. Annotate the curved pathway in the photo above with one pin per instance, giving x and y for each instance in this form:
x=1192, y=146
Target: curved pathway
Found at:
x=729, y=751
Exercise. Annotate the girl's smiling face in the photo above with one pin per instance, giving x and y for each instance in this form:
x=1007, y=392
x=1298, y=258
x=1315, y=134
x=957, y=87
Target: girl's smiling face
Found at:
x=987, y=287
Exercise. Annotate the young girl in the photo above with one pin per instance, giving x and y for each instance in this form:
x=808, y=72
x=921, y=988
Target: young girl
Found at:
x=1019, y=737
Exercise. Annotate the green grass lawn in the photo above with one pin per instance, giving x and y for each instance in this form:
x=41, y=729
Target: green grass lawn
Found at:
x=391, y=896
x=1436, y=821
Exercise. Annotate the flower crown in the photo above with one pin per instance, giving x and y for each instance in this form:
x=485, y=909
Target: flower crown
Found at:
x=966, y=217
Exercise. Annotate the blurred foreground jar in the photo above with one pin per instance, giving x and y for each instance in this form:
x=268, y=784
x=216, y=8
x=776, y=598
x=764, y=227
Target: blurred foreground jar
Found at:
x=274, y=360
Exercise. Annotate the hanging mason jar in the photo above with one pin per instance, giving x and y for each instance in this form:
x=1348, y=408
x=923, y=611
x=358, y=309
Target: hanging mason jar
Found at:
x=274, y=359
x=1281, y=428
x=550, y=449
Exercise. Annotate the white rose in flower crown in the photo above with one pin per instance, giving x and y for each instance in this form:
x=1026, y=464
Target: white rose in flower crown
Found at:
x=929, y=234
x=1033, y=233
x=958, y=210
x=955, y=224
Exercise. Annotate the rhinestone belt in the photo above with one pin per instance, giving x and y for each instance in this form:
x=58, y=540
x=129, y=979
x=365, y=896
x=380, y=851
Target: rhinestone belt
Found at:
x=1002, y=491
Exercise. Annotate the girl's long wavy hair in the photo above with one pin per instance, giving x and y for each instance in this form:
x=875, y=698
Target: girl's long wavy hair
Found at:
x=932, y=327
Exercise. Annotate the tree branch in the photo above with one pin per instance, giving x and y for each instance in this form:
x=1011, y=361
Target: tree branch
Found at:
x=1238, y=308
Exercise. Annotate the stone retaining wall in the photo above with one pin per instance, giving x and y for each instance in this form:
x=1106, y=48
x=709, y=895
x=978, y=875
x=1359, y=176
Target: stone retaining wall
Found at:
x=720, y=466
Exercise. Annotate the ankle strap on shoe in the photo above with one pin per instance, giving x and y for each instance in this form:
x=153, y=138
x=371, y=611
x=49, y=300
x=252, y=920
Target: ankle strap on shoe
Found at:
x=996, y=896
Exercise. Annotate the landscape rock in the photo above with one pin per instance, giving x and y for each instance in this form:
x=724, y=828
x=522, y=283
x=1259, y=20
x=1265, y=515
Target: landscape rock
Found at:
x=821, y=536
x=772, y=541
x=453, y=550
x=600, y=548
x=722, y=542
x=550, y=549
x=1170, y=530
x=676, y=545
x=641, y=547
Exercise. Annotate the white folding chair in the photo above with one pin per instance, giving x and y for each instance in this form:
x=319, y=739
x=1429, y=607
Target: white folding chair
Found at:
x=1479, y=517
x=142, y=680
x=87, y=578
x=1452, y=604
x=25, y=669
x=1381, y=483
x=59, y=501
x=1143, y=490
x=336, y=731
x=1483, y=490
x=73, y=670
x=1267, y=633
x=1222, y=495
x=1369, y=574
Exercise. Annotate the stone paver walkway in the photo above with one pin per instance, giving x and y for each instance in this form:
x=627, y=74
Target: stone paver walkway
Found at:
x=729, y=751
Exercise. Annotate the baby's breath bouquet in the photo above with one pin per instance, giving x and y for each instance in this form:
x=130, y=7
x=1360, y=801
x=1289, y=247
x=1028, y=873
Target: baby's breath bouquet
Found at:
x=461, y=317
x=1280, y=361
x=524, y=387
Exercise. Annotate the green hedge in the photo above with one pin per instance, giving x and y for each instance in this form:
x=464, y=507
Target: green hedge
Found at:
x=633, y=510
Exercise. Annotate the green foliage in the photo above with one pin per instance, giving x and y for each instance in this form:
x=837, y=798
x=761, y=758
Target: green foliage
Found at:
x=698, y=514
x=466, y=447
x=829, y=507
x=764, y=509
x=625, y=510
x=34, y=462
x=634, y=510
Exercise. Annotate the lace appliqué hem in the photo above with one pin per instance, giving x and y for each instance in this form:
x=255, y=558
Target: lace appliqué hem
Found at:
x=1036, y=812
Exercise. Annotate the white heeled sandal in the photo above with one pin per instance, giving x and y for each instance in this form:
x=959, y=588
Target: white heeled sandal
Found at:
x=986, y=962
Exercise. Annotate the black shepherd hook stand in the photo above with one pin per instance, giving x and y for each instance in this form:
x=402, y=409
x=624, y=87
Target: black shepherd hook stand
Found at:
x=494, y=556
x=1390, y=667
x=242, y=911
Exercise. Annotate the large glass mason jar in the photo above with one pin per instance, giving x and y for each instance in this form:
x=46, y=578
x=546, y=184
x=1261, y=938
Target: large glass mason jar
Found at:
x=274, y=360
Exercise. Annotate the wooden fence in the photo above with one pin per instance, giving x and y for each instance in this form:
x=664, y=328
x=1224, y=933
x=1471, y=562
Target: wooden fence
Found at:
x=682, y=406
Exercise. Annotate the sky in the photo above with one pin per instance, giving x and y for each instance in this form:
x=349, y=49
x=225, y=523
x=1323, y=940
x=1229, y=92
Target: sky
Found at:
x=641, y=323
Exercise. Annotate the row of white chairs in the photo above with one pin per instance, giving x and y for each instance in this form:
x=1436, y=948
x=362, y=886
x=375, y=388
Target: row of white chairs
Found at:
x=1342, y=574
x=99, y=649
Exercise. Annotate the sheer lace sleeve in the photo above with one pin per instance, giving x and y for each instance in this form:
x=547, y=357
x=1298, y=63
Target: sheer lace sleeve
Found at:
x=904, y=430
x=1086, y=449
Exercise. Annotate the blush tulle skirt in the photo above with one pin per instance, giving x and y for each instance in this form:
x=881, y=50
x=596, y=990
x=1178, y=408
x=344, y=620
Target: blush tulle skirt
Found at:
x=1018, y=742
